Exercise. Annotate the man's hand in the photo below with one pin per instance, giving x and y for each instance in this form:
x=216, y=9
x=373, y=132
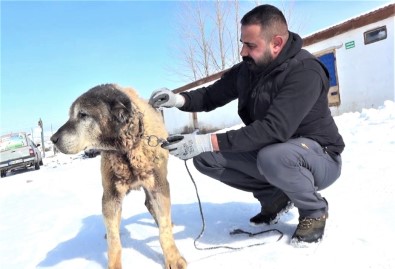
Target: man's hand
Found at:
x=166, y=98
x=188, y=146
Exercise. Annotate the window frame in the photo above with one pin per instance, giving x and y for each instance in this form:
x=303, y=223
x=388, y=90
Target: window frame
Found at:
x=378, y=30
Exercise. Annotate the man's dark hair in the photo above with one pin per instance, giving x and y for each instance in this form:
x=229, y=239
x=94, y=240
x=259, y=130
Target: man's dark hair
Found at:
x=270, y=18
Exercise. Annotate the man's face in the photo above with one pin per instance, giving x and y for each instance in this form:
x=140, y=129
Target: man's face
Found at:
x=256, y=52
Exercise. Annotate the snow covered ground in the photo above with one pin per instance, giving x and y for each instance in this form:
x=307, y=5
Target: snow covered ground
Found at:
x=51, y=218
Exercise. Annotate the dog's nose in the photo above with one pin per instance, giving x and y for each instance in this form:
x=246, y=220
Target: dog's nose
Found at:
x=54, y=138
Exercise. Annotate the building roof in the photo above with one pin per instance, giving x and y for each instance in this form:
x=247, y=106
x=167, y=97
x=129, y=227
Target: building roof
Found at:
x=354, y=23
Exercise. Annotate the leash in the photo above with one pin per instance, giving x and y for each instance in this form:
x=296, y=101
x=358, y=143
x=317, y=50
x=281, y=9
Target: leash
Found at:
x=234, y=232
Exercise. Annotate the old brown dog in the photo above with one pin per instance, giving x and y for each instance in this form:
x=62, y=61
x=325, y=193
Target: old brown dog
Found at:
x=124, y=128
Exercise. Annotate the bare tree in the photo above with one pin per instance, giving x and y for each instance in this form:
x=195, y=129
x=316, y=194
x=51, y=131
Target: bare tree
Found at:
x=210, y=37
x=226, y=41
x=219, y=15
x=193, y=51
x=202, y=43
x=237, y=20
x=207, y=39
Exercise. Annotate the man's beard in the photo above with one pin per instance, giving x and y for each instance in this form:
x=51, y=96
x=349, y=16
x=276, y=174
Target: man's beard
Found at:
x=261, y=63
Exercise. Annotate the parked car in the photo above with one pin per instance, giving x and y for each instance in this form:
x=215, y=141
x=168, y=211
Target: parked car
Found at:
x=17, y=150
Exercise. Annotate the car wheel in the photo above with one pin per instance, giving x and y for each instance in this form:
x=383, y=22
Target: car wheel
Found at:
x=36, y=166
x=3, y=173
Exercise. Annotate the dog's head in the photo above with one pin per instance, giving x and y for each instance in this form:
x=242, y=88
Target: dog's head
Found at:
x=96, y=119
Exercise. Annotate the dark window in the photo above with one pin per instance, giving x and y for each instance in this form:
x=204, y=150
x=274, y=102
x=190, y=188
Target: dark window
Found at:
x=375, y=35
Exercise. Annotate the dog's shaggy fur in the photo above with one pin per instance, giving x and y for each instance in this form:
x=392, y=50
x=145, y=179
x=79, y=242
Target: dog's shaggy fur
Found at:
x=118, y=123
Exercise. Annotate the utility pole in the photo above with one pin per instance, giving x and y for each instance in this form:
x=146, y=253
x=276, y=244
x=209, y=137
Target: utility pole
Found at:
x=40, y=123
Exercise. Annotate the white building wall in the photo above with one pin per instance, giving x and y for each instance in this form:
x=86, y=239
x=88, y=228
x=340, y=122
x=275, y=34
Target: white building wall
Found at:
x=365, y=72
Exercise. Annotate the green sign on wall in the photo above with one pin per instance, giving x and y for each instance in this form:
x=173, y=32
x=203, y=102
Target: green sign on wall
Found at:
x=350, y=45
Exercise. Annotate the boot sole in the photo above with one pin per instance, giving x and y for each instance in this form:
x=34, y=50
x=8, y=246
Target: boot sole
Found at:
x=296, y=243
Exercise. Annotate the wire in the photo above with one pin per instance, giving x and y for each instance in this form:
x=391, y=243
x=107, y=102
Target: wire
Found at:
x=234, y=232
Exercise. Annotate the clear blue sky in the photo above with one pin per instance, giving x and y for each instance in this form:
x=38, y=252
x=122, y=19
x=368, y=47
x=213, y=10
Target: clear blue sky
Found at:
x=53, y=51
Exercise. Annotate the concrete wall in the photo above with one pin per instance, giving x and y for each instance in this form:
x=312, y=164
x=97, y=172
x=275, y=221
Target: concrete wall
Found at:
x=365, y=72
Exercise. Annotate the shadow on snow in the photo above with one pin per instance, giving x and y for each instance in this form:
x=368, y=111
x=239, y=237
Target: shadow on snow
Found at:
x=220, y=220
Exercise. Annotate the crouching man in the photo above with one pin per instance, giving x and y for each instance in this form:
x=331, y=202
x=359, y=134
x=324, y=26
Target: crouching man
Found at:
x=290, y=146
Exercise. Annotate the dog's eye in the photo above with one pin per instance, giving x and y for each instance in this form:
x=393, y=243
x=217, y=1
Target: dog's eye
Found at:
x=82, y=115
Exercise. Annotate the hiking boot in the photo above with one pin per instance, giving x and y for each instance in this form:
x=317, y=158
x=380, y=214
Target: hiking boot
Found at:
x=309, y=230
x=271, y=215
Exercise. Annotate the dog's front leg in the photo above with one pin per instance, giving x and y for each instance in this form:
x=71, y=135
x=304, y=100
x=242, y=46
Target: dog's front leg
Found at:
x=112, y=208
x=159, y=202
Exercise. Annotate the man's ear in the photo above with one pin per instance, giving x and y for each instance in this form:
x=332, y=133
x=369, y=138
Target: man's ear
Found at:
x=277, y=45
x=120, y=112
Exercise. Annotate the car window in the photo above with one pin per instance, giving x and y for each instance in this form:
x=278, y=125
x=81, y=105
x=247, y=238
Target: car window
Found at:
x=12, y=141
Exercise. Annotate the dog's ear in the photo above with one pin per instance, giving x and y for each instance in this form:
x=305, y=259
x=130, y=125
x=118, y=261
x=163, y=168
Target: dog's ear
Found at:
x=120, y=112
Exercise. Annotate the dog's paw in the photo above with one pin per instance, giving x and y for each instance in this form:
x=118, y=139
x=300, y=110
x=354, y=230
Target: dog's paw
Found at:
x=181, y=263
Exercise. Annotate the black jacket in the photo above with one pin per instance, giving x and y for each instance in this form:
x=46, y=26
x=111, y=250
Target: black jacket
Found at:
x=286, y=100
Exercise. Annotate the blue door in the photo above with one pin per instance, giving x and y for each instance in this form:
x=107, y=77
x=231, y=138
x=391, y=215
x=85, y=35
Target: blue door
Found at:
x=329, y=60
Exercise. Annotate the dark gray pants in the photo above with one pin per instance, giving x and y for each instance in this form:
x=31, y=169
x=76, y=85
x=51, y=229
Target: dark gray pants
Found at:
x=299, y=168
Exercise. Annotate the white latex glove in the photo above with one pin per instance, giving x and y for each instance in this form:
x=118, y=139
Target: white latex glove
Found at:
x=166, y=98
x=189, y=145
